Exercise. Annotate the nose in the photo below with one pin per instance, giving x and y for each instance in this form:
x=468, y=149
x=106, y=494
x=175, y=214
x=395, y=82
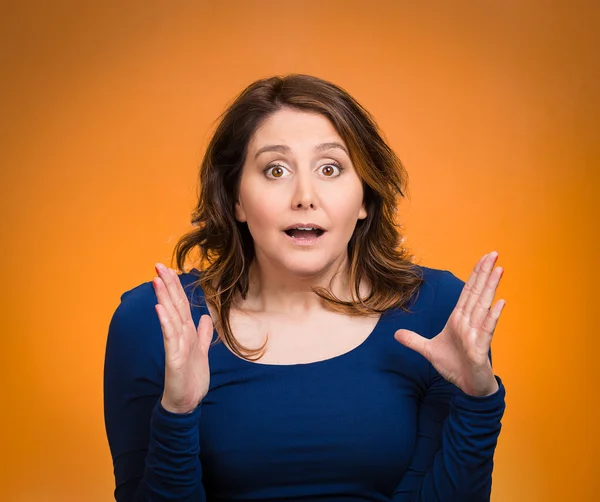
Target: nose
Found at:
x=304, y=194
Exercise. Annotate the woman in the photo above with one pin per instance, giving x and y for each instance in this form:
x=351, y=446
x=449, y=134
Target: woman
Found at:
x=304, y=393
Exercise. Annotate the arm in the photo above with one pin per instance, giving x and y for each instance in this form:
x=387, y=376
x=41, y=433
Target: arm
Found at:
x=155, y=452
x=457, y=433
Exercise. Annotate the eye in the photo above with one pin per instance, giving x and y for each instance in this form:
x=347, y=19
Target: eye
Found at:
x=332, y=170
x=277, y=171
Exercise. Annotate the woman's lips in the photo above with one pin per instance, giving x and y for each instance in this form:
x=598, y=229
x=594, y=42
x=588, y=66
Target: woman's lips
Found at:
x=310, y=238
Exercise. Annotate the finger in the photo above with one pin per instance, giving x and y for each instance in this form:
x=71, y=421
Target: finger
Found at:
x=164, y=298
x=481, y=309
x=482, y=277
x=489, y=325
x=413, y=341
x=205, y=332
x=181, y=302
x=464, y=295
x=178, y=304
x=170, y=333
x=489, y=290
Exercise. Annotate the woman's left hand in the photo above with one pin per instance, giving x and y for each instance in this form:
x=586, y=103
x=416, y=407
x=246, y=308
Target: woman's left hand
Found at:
x=460, y=351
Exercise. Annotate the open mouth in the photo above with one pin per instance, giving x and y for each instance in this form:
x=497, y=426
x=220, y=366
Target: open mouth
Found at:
x=298, y=233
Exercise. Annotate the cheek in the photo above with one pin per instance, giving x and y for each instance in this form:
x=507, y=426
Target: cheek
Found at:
x=261, y=213
x=343, y=206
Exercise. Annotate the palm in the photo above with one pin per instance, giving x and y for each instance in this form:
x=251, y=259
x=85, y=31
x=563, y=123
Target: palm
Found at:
x=187, y=373
x=186, y=364
x=460, y=351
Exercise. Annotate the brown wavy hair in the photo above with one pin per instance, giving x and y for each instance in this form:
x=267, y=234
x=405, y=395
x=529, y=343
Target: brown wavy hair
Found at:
x=226, y=248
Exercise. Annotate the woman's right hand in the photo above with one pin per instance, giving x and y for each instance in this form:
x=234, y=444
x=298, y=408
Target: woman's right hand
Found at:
x=187, y=374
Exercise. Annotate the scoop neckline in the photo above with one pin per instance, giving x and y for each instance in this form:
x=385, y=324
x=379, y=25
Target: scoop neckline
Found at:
x=330, y=360
x=338, y=357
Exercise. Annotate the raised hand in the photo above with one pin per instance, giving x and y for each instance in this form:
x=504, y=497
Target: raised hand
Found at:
x=460, y=351
x=187, y=374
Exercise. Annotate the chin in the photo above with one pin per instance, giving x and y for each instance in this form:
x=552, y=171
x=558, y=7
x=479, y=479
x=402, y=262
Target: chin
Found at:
x=306, y=270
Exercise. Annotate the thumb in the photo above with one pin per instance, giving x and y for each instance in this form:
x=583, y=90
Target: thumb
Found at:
x=205, y=332
x=413, y=341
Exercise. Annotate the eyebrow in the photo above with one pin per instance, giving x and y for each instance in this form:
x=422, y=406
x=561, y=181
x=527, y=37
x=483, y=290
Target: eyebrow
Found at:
x=286, y=149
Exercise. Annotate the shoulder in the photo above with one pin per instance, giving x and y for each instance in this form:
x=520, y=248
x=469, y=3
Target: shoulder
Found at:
x=431, y=305
x=441, y=289
x=134, y=306
x=440, y=280
x=443, y=284
x=142, y=297
x=135, y=323
x=134, y=343
x=439, y=285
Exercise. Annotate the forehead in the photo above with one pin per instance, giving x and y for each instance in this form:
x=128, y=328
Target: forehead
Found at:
x=294, y=127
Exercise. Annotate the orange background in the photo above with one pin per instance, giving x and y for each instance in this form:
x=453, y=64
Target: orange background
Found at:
x=107, y=107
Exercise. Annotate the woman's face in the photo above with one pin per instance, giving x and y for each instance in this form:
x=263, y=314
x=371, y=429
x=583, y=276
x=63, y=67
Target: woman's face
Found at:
x=298, y=174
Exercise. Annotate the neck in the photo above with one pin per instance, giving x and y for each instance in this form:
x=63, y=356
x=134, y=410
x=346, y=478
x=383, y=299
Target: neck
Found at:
x=272, y=290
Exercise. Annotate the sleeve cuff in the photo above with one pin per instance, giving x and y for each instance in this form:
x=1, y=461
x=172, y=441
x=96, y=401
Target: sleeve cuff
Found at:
x=493, y=402
x=177, y=420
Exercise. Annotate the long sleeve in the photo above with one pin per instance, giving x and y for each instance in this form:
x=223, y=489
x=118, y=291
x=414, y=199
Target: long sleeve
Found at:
x=155, y=452
x=457, y=433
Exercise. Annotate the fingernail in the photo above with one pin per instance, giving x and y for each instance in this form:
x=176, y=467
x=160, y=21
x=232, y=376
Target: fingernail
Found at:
x=161, y=267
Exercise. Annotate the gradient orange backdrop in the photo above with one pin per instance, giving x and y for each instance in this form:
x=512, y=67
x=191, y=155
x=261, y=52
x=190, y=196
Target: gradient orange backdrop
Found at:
x=107, y=107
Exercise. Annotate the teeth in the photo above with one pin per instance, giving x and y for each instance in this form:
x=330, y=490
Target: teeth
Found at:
x=305, y=228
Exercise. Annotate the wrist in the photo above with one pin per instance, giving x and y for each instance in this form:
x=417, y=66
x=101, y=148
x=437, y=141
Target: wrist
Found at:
x=180, y=410
x=491, y=404
x=486, y=390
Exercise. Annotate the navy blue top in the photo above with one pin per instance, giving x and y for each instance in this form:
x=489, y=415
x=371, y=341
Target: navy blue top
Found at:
x=377, y=423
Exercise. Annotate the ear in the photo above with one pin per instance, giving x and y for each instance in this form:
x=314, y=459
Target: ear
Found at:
x=240, y=214
x=362, y=214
